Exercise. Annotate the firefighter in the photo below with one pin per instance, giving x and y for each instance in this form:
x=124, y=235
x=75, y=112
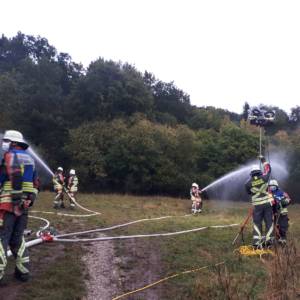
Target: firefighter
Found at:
x=196, y=198
x=19, y=188
x=262, y=201
x=265, y=165
x=59, y=184
x=72, y=186
x=281, y=220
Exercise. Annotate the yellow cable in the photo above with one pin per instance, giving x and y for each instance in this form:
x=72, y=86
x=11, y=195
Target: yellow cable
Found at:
x=165, y=279
x=250, y=251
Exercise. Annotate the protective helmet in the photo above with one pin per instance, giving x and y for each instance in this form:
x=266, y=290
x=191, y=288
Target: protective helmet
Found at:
x=60, y=169
x=72, y=172
x=255, y=170
x=15, y=136
x=273, y=182
x=195, y=185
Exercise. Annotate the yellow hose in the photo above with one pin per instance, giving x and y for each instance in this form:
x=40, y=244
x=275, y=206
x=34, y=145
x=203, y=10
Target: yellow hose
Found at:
x=250, y=251
x=165, y=279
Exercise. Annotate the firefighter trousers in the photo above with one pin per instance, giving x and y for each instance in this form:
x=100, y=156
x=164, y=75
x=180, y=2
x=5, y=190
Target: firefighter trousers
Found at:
x=263, y=212
x=283, y=225
x=11, y=235
x=59, y=199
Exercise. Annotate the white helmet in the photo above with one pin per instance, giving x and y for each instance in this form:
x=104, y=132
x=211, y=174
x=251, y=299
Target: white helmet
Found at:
x=255, y=169
x=273, y=182
x=72, y=172
x=15, y=136
x=195, y=185
x=60, y=169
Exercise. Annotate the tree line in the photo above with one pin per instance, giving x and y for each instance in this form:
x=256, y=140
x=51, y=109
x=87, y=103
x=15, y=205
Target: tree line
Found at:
x=124, y=130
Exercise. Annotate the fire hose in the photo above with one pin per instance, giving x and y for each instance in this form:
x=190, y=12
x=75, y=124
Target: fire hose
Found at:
x=118, y=226
x=123, y=237
x=92, y=213
x=80, y=206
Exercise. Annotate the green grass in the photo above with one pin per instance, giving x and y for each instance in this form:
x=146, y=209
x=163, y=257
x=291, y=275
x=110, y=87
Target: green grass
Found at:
x=60, y=277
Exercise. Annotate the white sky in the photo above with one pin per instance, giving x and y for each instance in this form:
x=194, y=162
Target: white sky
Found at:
x=221, y=52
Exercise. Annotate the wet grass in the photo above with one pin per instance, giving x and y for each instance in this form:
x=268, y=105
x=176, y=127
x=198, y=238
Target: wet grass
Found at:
x=60, y=274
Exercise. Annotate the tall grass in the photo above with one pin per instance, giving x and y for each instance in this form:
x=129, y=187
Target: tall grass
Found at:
x=283, y=273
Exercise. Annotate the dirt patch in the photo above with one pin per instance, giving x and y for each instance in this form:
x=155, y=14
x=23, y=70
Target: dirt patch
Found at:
x=102, y=278
x=39, y=261
x=114, y=268
x=140, y=265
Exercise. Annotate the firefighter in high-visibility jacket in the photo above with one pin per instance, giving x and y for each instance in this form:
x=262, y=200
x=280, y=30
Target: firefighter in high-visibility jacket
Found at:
x=281, y=220
x=196, y=198
x=59, y=185
x=19, y=188
x=72, y=186
x=262, y=201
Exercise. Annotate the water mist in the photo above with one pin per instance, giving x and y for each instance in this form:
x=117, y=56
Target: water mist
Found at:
x=232, y=185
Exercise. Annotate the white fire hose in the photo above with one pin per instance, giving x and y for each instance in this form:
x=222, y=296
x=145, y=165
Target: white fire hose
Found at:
x=123, y=237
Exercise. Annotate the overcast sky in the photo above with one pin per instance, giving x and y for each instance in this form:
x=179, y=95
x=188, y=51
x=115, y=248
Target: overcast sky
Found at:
x=221, y=52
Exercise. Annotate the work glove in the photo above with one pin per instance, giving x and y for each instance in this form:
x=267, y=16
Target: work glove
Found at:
x=32, y=199
x=26, y=204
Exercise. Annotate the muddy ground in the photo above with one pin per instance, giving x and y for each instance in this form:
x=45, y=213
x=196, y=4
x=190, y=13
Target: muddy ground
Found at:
x=114, y=268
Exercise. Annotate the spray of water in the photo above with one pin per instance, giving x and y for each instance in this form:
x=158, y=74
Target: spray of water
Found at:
x=42, y=163
x=231, y=185
x=1, y=152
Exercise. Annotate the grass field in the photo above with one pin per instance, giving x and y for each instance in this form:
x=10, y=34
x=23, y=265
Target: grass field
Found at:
x=58, y=272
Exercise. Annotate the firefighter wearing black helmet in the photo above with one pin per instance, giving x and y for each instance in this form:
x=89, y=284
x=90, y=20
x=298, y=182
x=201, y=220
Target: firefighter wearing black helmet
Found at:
x=262, y=201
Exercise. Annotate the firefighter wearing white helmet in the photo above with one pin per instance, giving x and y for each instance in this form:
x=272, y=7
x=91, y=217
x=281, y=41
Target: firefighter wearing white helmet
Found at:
x=196, y=198
x=262, y=201
x=59, y=184
x=13, y=137
x=19, y=187
x=281, y=201
x=72, y=186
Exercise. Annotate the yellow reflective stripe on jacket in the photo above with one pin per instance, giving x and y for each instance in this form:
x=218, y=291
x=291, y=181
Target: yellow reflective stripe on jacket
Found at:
x=257, y=199
x=7, y=186
x=5, y=198
x=269, y=200
x=26, y=187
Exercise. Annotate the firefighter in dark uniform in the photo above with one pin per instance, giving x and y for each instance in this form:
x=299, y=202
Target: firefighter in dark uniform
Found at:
x=19, y=187
x=281, y=219
x=262, y=201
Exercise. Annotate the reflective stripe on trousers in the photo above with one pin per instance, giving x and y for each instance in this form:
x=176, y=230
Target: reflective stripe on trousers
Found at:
x=262, y=213
x=11, y=235
x=3, y=260
x=22, y=259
